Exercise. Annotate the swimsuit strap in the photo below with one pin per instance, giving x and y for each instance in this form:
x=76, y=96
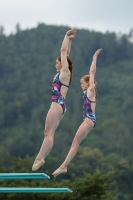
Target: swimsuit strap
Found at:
x=92, y=101
x=64, y=84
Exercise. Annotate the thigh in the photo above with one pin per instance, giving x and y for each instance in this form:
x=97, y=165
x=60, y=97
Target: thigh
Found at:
x=83, y=130
x=53, y=117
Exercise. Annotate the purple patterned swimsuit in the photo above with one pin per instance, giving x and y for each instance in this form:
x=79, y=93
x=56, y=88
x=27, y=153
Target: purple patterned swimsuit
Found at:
x=87, y=111
x=56, y=94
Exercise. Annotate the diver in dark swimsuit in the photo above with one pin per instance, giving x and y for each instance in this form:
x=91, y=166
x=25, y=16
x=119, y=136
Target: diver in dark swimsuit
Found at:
x=62, y=80
x=56, y=93
x=87, y=111
x=88, y=85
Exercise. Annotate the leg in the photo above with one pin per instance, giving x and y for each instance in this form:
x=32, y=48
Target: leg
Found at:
x=52, y=121
x=82, y=132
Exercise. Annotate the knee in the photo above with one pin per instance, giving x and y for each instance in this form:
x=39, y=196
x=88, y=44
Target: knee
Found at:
x=75, y=143
x=47, y=133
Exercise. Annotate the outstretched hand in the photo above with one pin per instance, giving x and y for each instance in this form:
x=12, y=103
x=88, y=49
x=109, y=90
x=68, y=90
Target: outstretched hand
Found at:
x=71, y=33
x=97, y=53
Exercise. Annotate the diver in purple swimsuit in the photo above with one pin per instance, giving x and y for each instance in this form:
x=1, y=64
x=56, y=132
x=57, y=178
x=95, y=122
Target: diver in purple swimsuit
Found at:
x=87, y=111
x=56, y=93
x=61, y=82
x=88, y=85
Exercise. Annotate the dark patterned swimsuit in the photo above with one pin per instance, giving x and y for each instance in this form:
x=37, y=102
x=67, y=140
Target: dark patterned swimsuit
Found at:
x=87, y=111
x=56, y=93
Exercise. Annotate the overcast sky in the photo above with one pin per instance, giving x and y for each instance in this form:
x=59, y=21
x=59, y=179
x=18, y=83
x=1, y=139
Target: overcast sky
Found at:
x=98, y=15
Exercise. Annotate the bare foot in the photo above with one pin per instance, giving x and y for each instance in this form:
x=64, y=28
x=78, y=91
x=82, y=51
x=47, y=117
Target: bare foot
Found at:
x=37, y=164
x=59, y=171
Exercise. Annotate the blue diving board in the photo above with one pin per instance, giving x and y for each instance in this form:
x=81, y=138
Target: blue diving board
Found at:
x=15, y=176
x=33, y=190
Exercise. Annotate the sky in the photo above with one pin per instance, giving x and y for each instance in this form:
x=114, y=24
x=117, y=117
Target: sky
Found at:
x=98, y=15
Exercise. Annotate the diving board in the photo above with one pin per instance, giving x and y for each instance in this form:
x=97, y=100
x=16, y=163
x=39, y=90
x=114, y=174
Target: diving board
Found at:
x=33, y=190
x=20, y=176
x=15, y=176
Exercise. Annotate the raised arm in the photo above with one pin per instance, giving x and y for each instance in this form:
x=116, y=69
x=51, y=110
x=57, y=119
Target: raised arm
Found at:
x=69, y=46
x=66, y=46
x=93, y=69
x=71, y=34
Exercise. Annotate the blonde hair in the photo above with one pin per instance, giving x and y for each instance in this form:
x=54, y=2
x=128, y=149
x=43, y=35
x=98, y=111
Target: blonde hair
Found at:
x=86, y=78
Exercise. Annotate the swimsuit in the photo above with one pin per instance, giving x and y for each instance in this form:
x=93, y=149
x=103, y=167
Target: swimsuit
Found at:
x=56, y=93
x=87, y=111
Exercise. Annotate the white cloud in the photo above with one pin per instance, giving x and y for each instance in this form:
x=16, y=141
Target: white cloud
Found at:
x=101, y=15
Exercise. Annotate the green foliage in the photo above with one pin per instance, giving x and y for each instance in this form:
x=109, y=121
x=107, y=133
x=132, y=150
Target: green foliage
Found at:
x=27, y=67
x=92, y=187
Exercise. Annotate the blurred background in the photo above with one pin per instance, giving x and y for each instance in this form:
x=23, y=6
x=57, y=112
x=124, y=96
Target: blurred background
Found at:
x=31, y=35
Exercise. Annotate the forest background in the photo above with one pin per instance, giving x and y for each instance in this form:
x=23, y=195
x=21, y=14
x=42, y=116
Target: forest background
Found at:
x=27, y=67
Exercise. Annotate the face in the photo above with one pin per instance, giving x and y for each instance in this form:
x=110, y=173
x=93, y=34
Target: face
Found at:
x=58, y=65
x=84, y=84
